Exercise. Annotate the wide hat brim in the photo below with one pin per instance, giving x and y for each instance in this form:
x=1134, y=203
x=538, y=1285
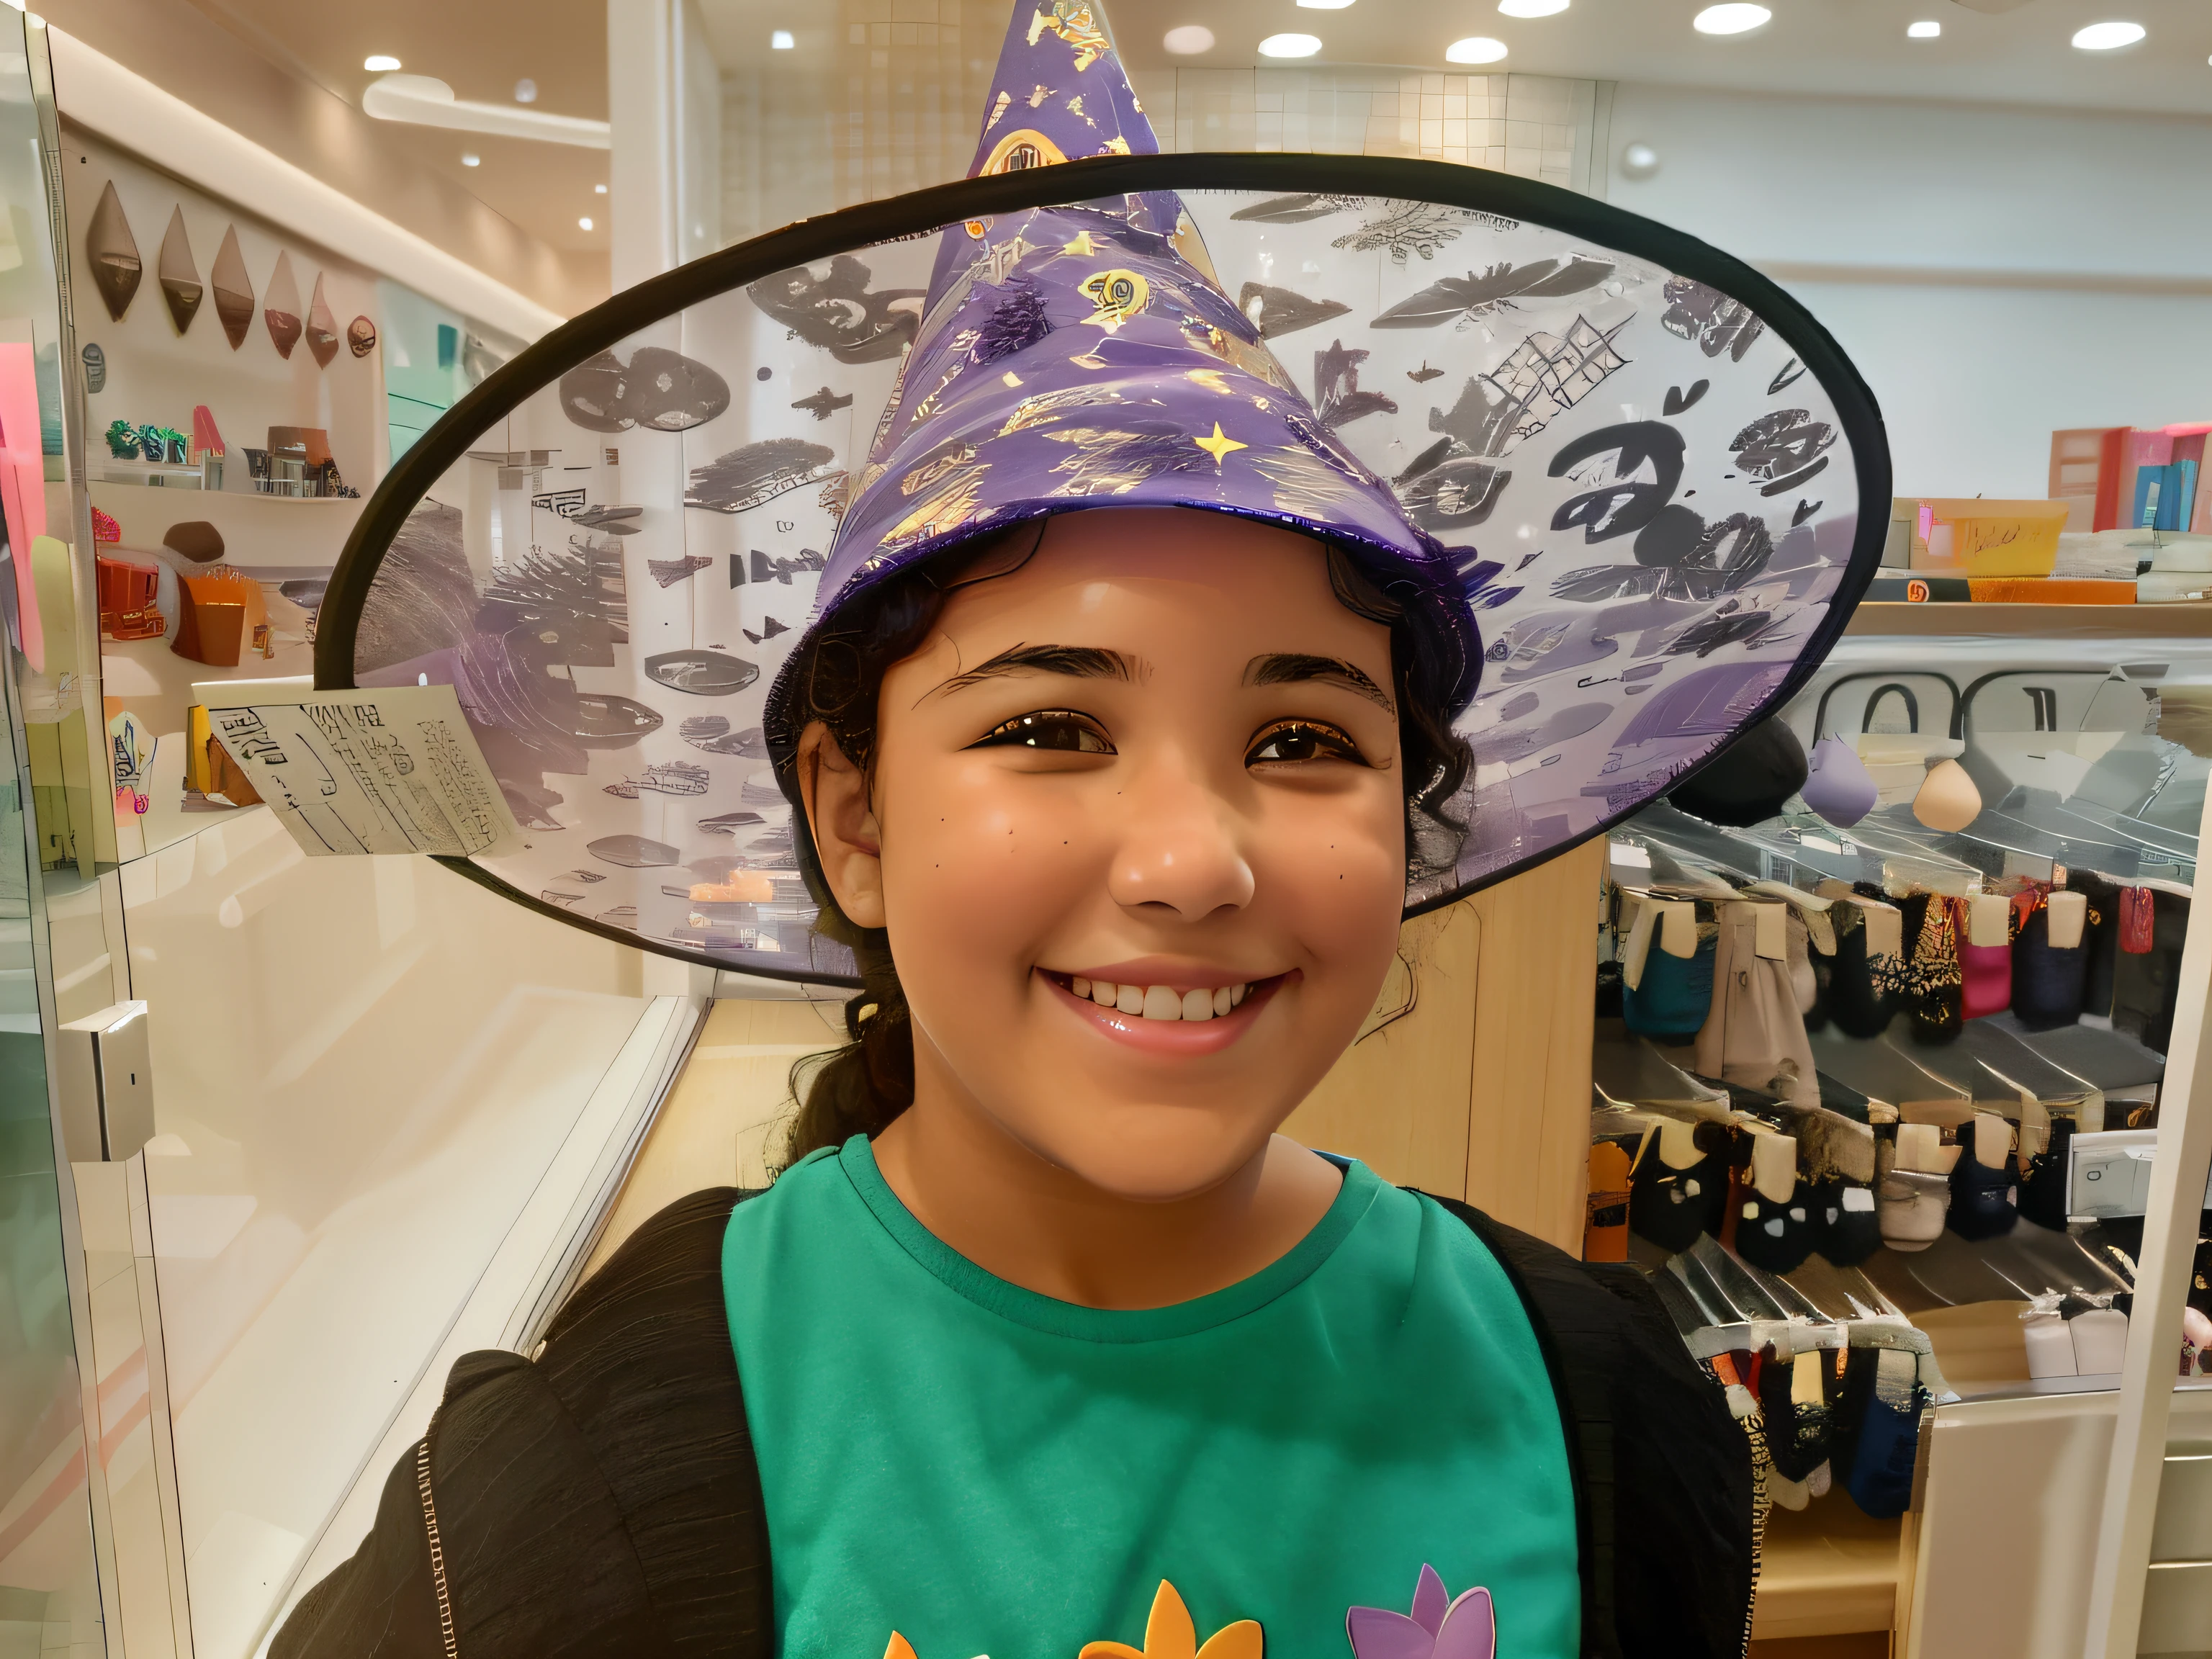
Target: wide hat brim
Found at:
x=1661, y=484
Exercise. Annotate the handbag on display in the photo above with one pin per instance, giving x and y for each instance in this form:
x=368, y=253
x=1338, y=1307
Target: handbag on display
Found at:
x=1984, y=1188
x=2146, y=985
x=1985, y=956
x=1774, y=1227
x=1936, y=1000
x=2050, y=963
x=1754, y=1034
x=1865, y=981
x=1667, y=971
x=1679, y=1183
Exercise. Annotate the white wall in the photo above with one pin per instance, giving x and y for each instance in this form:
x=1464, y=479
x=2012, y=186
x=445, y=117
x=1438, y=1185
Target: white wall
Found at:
x=1996, y=272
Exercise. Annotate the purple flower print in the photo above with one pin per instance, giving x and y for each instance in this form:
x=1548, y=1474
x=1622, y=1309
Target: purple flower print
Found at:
x=1442, y=1627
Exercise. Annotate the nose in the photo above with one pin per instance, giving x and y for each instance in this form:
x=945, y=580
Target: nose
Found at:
x=1181, y=846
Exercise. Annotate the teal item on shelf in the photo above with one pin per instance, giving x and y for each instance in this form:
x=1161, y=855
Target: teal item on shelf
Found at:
x=1672, y=999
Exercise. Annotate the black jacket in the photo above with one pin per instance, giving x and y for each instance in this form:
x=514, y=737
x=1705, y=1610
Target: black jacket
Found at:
x=602, y=1500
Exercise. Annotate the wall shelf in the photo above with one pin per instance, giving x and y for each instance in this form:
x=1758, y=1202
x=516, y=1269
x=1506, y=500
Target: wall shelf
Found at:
x=2183, y=619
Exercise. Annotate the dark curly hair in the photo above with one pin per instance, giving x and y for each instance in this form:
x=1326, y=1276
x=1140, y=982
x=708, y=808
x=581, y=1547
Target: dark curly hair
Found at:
x=837, y=679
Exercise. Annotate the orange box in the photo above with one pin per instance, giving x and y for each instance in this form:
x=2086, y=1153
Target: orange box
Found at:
x=2050, y=590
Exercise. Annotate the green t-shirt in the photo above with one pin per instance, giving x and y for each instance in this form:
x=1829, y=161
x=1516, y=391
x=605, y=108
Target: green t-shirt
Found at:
x=1349, y=1442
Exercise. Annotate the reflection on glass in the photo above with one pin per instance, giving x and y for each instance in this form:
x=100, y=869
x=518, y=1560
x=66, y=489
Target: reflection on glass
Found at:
x=49, y=1589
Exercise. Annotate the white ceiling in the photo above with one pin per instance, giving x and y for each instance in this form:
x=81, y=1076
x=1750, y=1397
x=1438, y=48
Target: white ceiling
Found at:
x=1990, y=51
x=1855, y=47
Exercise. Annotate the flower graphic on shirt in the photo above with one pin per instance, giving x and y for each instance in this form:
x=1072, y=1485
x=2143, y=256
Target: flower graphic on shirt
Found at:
x=1442, y=1627
x=1169, y=1634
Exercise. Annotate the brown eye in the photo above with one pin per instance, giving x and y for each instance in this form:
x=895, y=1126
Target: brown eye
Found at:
x=1303, y=740
x=1059, y=729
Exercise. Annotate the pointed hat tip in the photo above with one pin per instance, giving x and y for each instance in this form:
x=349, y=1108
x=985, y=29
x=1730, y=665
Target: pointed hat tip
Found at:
x=1058, y=93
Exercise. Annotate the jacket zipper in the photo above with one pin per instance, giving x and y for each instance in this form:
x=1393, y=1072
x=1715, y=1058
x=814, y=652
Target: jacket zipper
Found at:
x=437, y=1550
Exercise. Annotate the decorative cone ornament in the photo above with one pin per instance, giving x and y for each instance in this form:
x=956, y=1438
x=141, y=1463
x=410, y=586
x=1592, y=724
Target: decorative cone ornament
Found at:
x=1615, y=476
x=1839, y=787
x=322, y=328
x=280, y=306
x=112, y=253
x=1947, y=800
x=234, y=289
x=178, y=276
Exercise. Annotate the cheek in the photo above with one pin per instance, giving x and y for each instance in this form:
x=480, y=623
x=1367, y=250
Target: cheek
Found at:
x=1339, y=875
x=978, y=864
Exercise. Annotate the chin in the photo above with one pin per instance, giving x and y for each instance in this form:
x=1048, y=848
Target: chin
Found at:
x=1145, y=1151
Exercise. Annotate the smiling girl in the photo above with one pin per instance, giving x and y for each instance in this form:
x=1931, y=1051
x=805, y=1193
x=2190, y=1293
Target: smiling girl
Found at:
x=1136, y=713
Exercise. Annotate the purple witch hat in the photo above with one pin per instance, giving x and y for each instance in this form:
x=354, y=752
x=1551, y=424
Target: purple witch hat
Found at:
x=1640, y=465
x=1085, y=356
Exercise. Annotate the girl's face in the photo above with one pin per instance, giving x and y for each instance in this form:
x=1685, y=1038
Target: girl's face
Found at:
x=1137, y=829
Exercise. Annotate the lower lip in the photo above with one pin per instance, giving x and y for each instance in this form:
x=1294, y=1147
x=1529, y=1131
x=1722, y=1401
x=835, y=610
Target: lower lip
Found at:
x=1179, y=1038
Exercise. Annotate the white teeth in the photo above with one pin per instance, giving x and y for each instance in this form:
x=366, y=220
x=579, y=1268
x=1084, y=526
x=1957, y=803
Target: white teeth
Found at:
x=1160, y=1001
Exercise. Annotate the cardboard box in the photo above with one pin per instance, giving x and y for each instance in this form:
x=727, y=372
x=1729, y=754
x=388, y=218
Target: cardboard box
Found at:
x=1978, y=536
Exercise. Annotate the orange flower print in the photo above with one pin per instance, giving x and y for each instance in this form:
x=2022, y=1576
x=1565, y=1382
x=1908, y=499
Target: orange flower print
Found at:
x=1169, y=1634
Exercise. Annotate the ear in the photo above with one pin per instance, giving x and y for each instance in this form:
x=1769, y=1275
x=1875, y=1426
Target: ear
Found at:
x=843, y=818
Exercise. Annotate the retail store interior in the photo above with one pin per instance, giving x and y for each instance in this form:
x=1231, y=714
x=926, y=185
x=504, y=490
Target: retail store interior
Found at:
x=1871, y=1047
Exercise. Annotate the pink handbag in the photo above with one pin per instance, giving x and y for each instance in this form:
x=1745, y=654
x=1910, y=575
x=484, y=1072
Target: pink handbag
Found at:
x=1986, y=972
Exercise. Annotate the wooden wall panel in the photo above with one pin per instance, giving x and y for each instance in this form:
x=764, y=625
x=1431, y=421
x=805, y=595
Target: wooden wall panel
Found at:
x=1528, y=1152
x=1482, y=1090
x=1397, y=1100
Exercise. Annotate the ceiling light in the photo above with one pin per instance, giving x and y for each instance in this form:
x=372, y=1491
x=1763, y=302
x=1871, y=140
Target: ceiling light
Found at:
x=1923, y=31
x=470, y=159
x=1475, y=49
x=1290, y=45
x=1324, y=5
x=1639, y=161
x=1729, y=19
x=598, y=190
x=781, y=41
x=525, y=91
x=1188, y=41
x=2103, y=37
x=583, y=224
x=1532, y=7
x=381, y=62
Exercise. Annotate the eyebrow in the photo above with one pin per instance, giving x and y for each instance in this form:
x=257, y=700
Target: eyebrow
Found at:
x=1289, y=667
x=1081, y=662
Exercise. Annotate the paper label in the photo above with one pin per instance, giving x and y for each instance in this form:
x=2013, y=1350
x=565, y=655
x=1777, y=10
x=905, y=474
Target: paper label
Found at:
x=391, y=769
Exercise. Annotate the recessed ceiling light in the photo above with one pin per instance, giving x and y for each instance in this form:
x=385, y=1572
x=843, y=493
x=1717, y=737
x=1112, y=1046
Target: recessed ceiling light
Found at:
x=1324, y=5
x=525, y=91
x=598, y=190
x=781, y=41
x=381, y=63
x=1923, y=31
x=1729, y=19
x=1290, y=45
x=1532, y=7
x=1639, y=161
x=470, y=159
x=1475, y=49
x=583, y=224
x=2103, y=37
x=1188, y=41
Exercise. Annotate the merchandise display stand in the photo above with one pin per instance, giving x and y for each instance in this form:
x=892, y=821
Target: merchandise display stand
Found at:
x=2143, y=1432
x=2058, y=1481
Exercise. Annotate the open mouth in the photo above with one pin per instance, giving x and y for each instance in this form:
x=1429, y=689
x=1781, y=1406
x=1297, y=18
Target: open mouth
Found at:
x=1163, y=1003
